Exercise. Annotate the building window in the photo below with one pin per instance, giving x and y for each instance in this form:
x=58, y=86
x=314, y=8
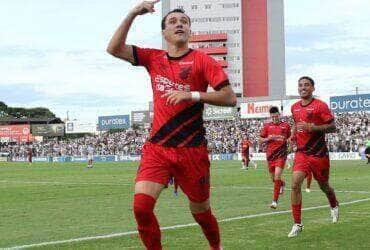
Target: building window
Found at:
x=229, y=5
x=207, y=6
x=194, y=7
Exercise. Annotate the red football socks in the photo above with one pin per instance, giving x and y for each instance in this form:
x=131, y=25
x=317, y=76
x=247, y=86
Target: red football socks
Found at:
x=148, y=226
x=296, y=210
x=210, y=228
x=277, y=186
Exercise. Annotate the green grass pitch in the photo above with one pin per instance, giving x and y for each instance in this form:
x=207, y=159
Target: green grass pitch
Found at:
x=50, y=202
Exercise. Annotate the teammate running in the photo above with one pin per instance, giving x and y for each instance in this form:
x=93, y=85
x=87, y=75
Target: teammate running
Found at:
x=245, y=145
x=247, y=154
x=312, y=119
x=176, y=146
x=275, y=134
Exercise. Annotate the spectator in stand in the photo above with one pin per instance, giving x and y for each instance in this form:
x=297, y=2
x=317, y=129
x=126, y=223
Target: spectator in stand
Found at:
x=222, y=136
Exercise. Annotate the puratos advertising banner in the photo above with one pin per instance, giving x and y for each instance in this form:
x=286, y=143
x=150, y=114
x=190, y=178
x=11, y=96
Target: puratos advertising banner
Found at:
x=113, y=122
x=350, y=103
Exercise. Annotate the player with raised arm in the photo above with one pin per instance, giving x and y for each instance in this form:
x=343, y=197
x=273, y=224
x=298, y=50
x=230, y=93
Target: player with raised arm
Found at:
x=176, y=146
x=312, y=120
x=276, y=134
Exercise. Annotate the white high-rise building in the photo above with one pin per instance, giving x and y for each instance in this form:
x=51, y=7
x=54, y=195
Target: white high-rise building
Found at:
x=246, y=36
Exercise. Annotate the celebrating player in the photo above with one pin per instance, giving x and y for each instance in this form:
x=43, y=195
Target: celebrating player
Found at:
x=176, y=146
x=275, y=134
x=312, y=119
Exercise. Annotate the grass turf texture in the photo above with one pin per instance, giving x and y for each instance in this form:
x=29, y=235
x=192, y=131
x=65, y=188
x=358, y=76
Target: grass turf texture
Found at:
x=46, y=202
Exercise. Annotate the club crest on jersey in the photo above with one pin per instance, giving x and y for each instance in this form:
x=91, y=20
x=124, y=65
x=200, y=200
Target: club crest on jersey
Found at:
x=184, y=73
x=309, y=115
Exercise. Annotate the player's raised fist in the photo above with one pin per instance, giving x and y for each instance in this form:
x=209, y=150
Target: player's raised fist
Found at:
x=145, y=7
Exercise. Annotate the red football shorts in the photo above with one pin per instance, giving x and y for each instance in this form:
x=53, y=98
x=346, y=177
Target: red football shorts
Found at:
x=245, y=156
x=279, y=162
x=188, y=165
x=319, y=166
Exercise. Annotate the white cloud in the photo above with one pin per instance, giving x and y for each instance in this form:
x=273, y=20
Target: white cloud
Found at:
x=331, y=79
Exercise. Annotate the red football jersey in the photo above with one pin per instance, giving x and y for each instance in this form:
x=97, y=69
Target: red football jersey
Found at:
x=318, y=113
x=276, y=148
x=182, y=124
x=245, y=147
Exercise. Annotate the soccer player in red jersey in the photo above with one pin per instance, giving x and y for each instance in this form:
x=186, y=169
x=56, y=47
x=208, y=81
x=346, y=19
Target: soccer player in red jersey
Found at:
x=245, y=152
x=313, y=120
x=276, y=134
x=176, y=146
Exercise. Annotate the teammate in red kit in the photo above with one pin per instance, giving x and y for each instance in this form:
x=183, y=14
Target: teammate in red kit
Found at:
x=176, y=146
x=245, y=145
x=247, y=153
x=313, y=120
x=276, y=134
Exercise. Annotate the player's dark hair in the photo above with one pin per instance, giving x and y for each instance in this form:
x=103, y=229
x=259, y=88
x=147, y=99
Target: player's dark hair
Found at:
x=163, y=24
x=274, y=110
x=307, y=78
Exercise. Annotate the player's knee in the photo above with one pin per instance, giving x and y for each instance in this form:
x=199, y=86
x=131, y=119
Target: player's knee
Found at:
x=199, y=207
x=296, y=186
x=143, y=206
x=277, y=178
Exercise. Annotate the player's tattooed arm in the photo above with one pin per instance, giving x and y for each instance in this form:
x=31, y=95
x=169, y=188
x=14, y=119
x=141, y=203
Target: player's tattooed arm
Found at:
x=117, y=46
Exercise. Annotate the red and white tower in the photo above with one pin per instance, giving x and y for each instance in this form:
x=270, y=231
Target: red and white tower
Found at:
x=245, y=36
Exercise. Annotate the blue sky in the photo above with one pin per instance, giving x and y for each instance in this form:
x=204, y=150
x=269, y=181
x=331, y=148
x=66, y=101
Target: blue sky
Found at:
x=52, y=53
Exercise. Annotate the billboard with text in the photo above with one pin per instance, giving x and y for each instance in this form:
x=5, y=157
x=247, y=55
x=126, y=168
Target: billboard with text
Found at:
x=48, y=129
x=219, y=113
x=20, y=133
x=257, y=109
x=79, y=127
x=140, y=117
x=350, y=103
x=113, y=122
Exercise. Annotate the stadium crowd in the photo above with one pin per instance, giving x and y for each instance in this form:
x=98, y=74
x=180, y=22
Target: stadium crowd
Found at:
x=223, y=137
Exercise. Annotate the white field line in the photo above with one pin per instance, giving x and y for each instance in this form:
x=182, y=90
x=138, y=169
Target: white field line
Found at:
x=288, y=189
x=171, y=227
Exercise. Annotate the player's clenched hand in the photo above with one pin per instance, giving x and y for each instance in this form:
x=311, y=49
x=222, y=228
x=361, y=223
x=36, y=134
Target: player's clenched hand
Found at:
x=175, y=96
x=305, y=126
x=145, y=7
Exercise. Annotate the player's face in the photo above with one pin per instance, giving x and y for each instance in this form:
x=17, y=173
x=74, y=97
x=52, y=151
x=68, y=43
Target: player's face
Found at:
x=305, y=89
x=177, y=29
x=275, y=117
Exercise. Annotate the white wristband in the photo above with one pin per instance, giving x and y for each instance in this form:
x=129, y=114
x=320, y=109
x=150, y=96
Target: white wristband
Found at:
x=195, y=96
